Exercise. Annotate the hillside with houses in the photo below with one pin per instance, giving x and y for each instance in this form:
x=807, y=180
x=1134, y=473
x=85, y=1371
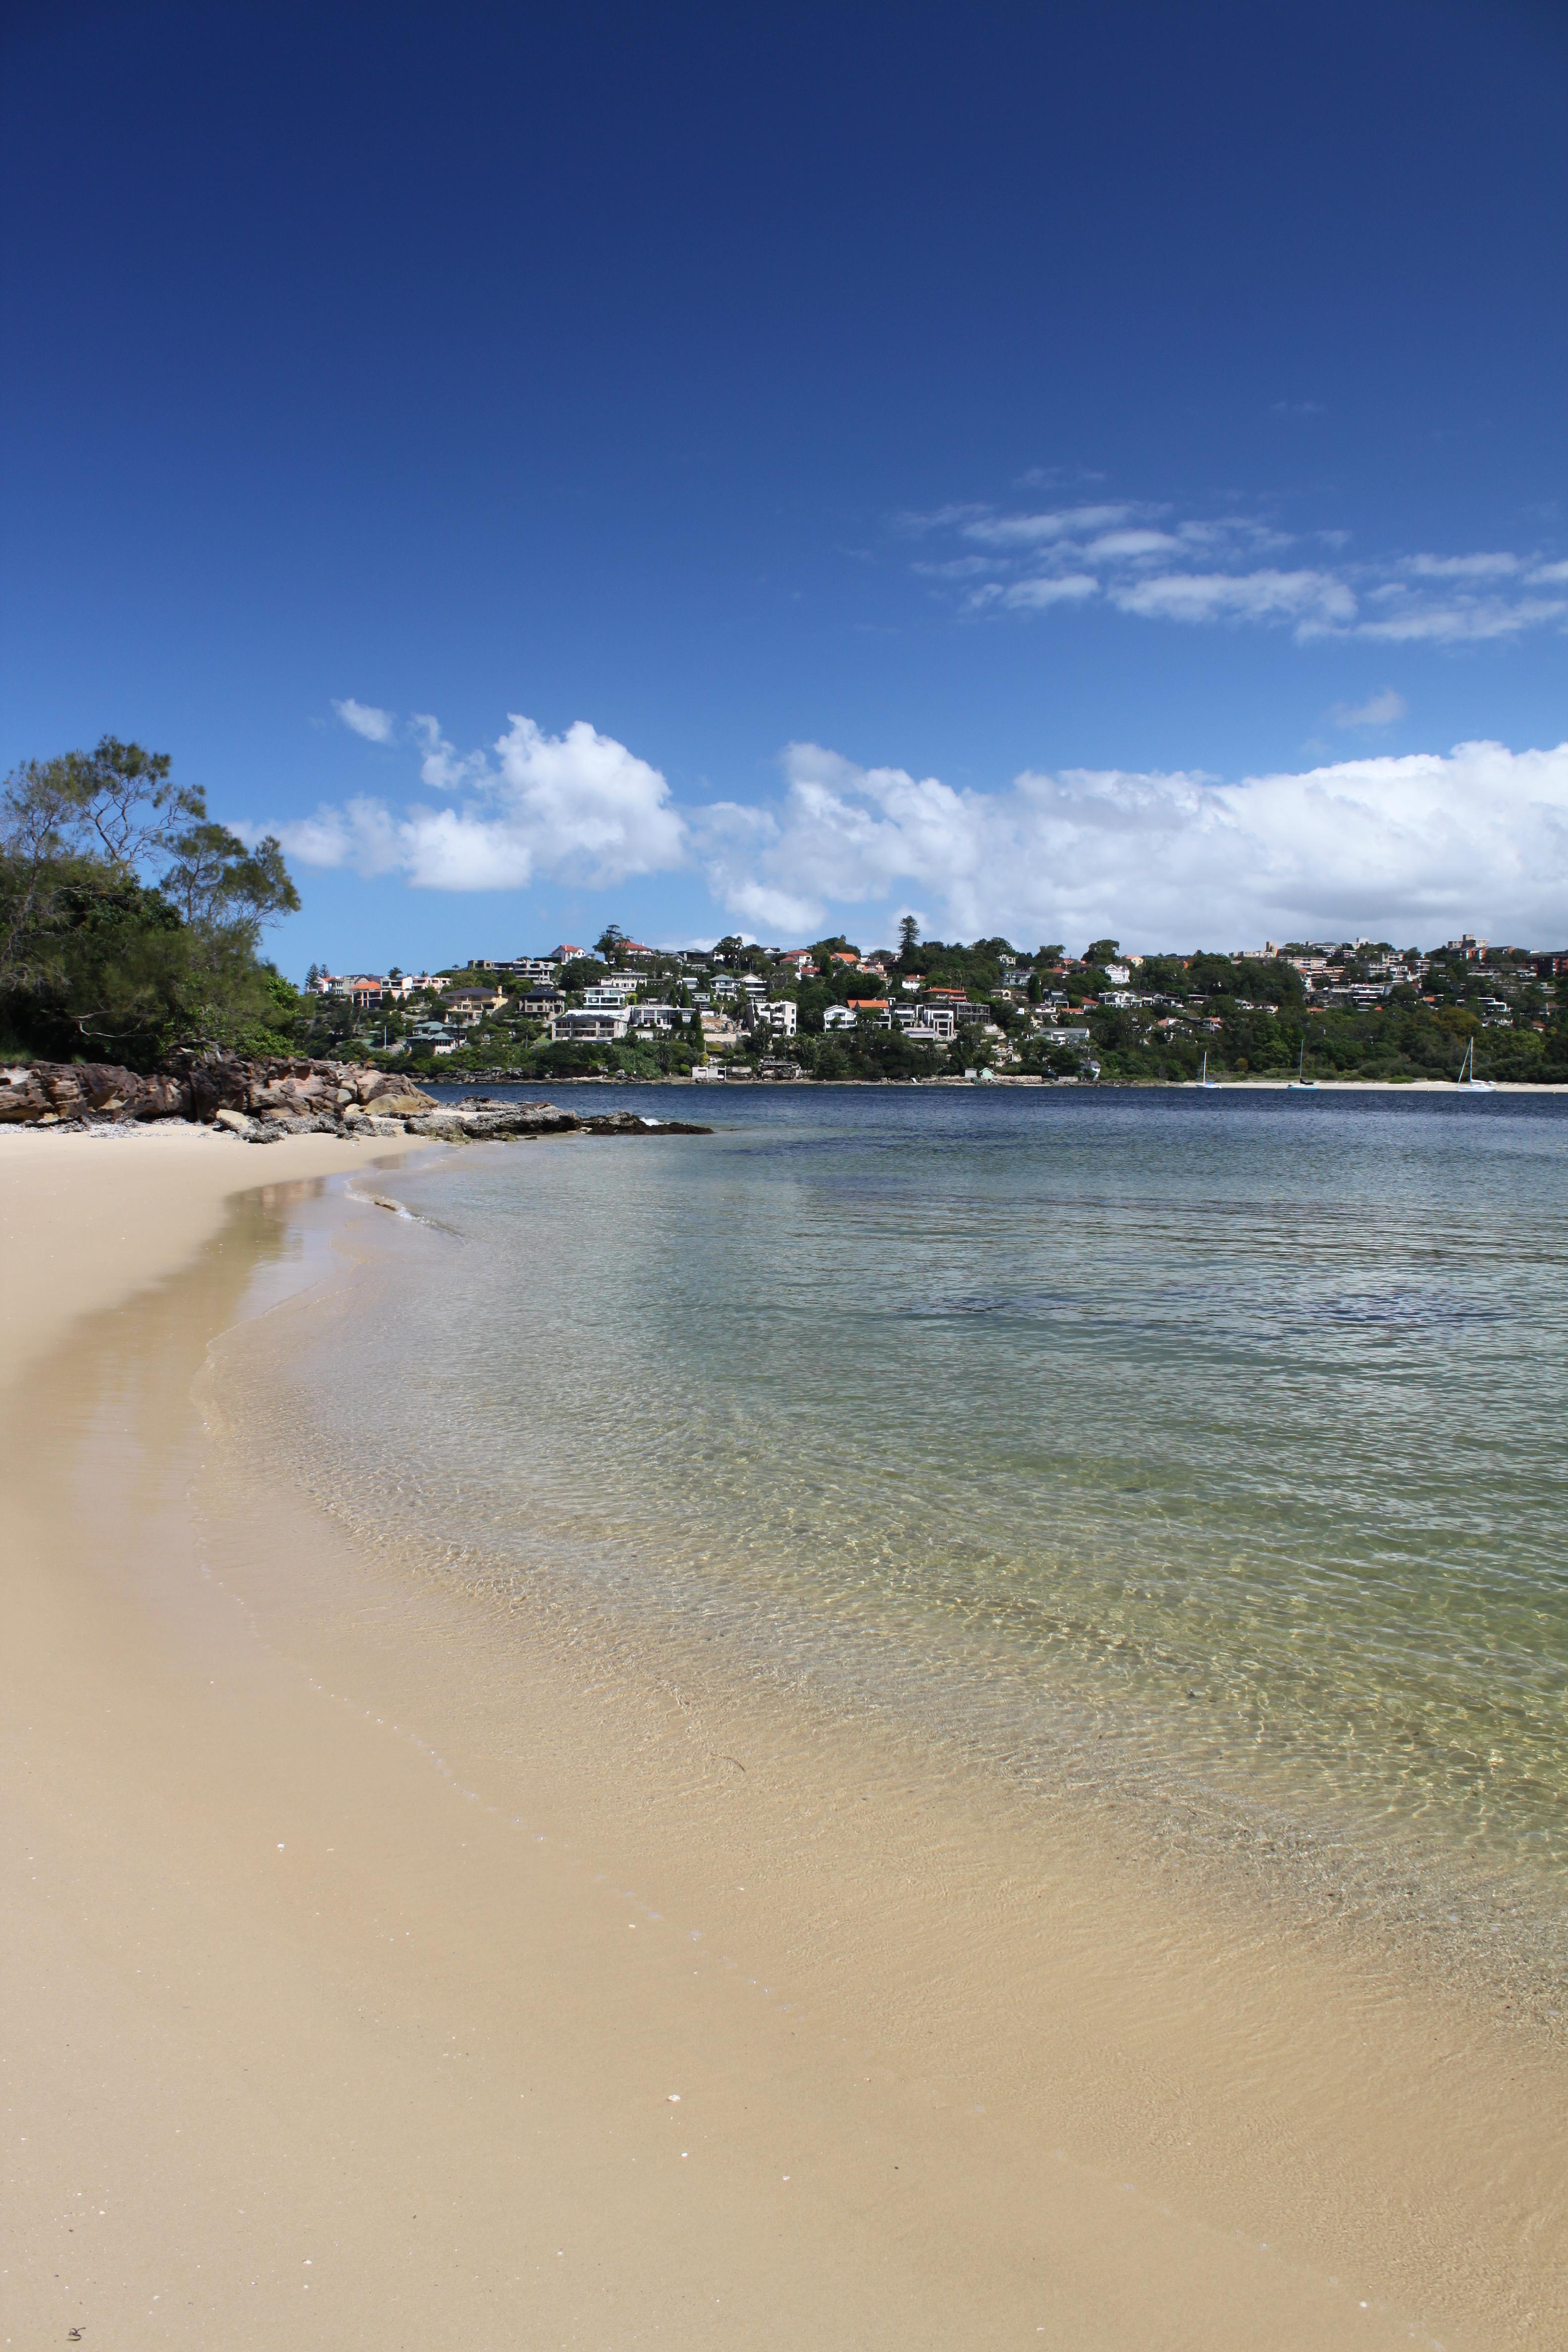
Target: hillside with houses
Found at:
x=928, y=1010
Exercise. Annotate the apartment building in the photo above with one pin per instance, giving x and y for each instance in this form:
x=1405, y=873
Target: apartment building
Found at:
x=602, y=1025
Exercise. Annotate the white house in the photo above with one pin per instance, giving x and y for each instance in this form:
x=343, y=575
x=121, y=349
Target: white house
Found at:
x=924, y=1023
x=778, y=1016
x=602, y=1023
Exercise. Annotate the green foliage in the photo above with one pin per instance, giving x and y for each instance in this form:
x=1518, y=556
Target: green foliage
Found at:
x=865, y=1054
x=835, y=984
x=129, y=920
x=581, y=972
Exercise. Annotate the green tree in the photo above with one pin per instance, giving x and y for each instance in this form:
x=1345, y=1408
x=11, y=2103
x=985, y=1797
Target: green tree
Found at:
x=129, y=920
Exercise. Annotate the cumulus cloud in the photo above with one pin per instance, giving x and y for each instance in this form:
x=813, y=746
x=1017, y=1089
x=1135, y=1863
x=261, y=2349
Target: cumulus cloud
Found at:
x=1380, y=709
x=361, y=835
x=578, y=807
x=375, y=726
x=1142, y=558
x=443, y=767
x=1412, y=848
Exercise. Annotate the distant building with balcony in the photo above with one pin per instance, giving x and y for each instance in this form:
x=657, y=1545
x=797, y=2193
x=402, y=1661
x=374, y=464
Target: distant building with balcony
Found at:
x=588, y=1024
x=469, y=1005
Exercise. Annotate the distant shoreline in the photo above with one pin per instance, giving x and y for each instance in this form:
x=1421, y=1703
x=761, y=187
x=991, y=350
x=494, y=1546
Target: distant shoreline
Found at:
x=472, y=1080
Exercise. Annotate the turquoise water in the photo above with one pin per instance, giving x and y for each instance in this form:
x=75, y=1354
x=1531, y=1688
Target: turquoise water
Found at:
x=1210, y=1446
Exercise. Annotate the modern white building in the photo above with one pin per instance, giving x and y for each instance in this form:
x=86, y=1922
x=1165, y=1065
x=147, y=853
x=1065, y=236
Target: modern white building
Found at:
x=601, y=1024
x=924, y=1024
x=778, y=1015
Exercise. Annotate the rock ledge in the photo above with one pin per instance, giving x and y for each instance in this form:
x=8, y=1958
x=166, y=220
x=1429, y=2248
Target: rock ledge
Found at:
x=261, y=1101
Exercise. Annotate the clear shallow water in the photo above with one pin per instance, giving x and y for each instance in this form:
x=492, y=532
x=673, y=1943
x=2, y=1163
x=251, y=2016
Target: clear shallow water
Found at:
x=1211, y=1446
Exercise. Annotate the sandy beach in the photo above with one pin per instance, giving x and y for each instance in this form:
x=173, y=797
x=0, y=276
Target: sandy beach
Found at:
x=379, y=1973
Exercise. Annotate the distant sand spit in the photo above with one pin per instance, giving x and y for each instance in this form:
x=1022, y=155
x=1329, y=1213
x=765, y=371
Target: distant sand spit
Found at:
x=381, y=1974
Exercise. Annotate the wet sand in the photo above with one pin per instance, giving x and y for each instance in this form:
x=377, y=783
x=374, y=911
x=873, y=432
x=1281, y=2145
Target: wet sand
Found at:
x=384, y=1969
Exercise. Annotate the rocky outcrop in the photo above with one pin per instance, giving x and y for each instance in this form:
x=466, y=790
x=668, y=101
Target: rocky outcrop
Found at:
x=481, y=1119
x=288, y=1097
x=263, y=1101
x=52, y=1094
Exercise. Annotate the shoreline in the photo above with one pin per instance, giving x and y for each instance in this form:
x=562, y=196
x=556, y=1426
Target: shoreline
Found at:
x=466, y=1977
x=1128, y=1085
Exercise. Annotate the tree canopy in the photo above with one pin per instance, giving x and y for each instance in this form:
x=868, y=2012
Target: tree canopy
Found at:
x=130, y=918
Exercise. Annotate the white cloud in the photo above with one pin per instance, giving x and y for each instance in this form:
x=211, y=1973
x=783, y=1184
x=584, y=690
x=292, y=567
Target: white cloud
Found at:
x=578, y=807
x=1306, y=597
x=1404, y=848
x=1033, y=595
x=1411, y=848
x=1461, y=620
x=1463, y=567
x=1130, y=543
x=1032, y=529
x=375, y=726
x=1380, y=709
x=1424, y=598
x=443, y=767
x=361, y=835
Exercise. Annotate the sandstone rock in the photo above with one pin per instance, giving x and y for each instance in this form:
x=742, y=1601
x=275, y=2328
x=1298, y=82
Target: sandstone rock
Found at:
x=42, y=1091
x=296, y=1085
x=266, y=1100
x=441, y=1126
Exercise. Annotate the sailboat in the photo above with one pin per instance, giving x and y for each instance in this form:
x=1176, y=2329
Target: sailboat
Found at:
x=1203, y=1079
x=1302, y=1081
x=1467, y=1078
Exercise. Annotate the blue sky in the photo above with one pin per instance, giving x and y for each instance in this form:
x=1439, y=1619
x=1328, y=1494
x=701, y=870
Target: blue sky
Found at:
x=688, y=466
